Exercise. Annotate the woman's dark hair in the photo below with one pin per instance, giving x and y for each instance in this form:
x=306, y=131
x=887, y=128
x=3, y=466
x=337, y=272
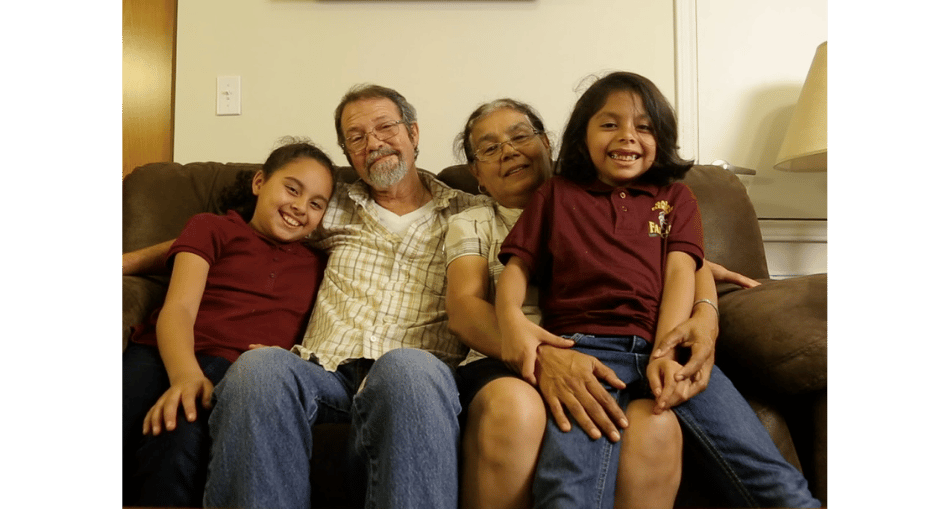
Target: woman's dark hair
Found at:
x=574, y=160
x=238, y=196
x=463, y=146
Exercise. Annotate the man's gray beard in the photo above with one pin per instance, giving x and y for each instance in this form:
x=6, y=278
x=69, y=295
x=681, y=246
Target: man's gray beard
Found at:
x=382, y=178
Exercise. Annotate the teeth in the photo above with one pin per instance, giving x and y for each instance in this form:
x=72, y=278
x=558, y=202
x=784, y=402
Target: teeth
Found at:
x=621, y=157
x=289, y=220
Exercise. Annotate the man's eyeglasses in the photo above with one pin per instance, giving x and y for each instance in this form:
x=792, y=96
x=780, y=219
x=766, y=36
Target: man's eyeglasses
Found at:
x=357, y=140
x=489, y=151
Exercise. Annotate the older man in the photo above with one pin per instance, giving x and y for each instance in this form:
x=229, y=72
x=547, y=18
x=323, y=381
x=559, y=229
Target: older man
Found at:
x=377, y=350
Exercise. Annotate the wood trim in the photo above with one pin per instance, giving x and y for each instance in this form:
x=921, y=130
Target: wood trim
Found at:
x=687, y=77
x=149, y=79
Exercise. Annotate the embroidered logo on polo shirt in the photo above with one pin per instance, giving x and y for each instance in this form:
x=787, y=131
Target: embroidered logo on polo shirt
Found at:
x=661, y=229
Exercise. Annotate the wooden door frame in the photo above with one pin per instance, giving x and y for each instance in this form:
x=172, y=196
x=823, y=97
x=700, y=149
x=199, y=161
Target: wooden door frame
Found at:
x=149, y=81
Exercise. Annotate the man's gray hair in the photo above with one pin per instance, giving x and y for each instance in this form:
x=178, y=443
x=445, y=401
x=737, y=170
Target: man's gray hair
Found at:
x=370, y=91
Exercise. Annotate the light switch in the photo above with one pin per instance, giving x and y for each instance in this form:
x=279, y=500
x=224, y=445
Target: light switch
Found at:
x=228, y=95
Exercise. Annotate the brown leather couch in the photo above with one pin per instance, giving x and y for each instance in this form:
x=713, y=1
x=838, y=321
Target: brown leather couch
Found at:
x=772, y=342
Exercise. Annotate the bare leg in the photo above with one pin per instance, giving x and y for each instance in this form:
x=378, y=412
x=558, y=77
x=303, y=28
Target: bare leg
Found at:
x=503, y=434
x=650, y=459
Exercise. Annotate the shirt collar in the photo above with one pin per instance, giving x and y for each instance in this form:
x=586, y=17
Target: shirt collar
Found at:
x=441, y=194
x=600, y=187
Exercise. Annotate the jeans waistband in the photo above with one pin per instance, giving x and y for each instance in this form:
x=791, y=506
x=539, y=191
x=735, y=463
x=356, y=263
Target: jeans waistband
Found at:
x=627, y=344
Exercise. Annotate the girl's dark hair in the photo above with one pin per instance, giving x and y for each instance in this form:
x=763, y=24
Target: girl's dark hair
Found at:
x=463, y=146
x=574, y=160
x=238, y=196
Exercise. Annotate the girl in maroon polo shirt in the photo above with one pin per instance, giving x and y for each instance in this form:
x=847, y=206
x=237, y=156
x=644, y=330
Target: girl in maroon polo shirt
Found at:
x=238, y=281
x=612, y=243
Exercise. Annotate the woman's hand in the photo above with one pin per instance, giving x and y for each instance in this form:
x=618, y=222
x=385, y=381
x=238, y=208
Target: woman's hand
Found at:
x=723, y=275
x=185, y=391
x=571, y=380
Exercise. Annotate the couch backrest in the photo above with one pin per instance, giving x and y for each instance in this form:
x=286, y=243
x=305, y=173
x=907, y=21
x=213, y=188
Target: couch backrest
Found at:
x=160, y=197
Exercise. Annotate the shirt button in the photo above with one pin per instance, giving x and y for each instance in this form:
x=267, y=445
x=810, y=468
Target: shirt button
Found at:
x=373, y=339
x=623, y=194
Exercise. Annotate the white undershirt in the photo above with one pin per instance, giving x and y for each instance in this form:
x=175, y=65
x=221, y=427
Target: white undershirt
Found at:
x=398, y=224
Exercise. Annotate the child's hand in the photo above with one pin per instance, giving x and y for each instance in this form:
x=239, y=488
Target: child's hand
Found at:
x=669, y=393
x=184, y=391
x=520, y=339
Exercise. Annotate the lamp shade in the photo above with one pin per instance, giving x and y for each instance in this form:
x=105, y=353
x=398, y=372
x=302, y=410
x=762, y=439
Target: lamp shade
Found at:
x=804, y=147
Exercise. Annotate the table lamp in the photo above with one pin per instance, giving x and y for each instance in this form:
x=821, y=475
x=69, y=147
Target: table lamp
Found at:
x=804, y=147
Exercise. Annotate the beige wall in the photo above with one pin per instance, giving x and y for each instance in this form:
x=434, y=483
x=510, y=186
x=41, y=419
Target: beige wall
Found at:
x=297, y=58
x=752, y=60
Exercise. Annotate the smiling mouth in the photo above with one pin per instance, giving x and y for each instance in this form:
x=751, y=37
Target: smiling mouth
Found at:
x=619, y=156
x=290, y=220
x=515, y=170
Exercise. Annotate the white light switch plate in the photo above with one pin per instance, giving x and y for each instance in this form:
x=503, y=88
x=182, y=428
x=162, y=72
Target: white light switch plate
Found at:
x=228, y=95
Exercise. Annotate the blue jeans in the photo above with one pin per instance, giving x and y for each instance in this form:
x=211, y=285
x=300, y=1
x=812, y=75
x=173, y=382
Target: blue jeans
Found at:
x=744, y=463
x=169, y=469
x=574, y=470
x=404, y=435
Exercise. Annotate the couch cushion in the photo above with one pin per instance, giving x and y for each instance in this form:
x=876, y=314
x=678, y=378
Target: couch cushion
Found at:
x=774, y=335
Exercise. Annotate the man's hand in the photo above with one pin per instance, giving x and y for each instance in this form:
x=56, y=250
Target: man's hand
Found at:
x=571, y=380
x=184, y=391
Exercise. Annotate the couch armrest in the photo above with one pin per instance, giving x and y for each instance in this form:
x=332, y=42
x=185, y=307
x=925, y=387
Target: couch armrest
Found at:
x=774, y=335
x=141, y=296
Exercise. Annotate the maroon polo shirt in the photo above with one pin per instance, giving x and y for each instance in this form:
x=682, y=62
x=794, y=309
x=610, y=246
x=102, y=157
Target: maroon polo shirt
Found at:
x=598, y=253
x=257, y=291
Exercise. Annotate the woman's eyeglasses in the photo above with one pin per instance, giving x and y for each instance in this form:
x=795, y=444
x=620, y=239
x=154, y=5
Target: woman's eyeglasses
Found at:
x=489, y=152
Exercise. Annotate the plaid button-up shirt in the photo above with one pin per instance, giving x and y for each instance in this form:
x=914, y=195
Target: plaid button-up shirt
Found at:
x=382, y=291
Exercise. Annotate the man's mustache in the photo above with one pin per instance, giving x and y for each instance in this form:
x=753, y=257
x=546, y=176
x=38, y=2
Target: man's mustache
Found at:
x=380, y=153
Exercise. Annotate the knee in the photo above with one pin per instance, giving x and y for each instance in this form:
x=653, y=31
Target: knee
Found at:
x=410, y=386
x=256, y=376
x=651, y=435
x=512, y=407
x=411, y=372
x=506, y=418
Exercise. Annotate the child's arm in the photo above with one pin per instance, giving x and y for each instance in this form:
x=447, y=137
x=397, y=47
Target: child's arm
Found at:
x=175, y=340
x=520, y=337
x=698, y=333
x=675, y=308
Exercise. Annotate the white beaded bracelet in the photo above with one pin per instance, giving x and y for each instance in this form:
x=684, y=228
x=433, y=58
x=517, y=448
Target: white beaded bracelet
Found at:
x=710, y=303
